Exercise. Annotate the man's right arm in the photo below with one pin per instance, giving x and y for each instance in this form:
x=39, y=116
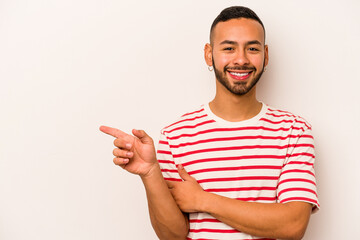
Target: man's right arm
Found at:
x=136, y=154
x=166, y=218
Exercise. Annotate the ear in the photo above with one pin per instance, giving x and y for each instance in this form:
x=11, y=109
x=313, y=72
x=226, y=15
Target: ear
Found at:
x=266, y=55
x=208, y=54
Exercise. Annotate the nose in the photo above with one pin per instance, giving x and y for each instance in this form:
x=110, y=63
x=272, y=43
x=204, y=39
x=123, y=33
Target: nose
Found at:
x=241, y=58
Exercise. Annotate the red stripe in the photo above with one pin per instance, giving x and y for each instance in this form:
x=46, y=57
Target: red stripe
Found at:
x=305, y=136
x=214, y=230
x=297, y=189
x=173, y=179
x=190, y=126
x=234, y=168
x=199, y=238
x=233, y=158
x=238, y=179
x=276, y=110
x=301, y=145
x=186, y=114
x=300, y=154
x=286, y=121
x=240, y=148
x=188, y=119
x=163, y=152
x=187, y=238
x=238, y=138
x=203, y=220
x=297, y=171
x=217, y=239
x=299, y=199
x=290, y=115
x=169, y=170
x=166, y=161
x=240, y=189
x=163, y=142
x=296, y=180
x=282, y=115
x=233, y=129
x=257, y=199
x=276, y=122
x=299, y=162
x=303, y=122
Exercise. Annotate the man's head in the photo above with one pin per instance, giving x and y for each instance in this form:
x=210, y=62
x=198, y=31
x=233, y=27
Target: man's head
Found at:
x=235, y=12
x=237, y=49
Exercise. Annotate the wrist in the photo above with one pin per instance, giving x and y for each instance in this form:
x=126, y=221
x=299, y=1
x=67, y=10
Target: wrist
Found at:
x=154, y=171
x=204, y=202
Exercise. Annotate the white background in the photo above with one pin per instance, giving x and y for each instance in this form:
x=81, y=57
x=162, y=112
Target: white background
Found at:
x=67, y=67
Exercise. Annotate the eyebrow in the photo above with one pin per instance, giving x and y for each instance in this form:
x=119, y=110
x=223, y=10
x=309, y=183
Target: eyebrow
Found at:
x=228, y=42
x=235, y=43
x=253, y=42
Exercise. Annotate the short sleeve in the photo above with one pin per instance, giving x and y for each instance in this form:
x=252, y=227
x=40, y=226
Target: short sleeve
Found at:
x=297, y=180
x=165, y=158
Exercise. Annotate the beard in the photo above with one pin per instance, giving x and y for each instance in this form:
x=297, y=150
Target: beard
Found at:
x=240, y=87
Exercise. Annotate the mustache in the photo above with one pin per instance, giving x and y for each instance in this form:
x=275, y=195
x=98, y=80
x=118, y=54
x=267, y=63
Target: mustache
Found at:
x=240, y=68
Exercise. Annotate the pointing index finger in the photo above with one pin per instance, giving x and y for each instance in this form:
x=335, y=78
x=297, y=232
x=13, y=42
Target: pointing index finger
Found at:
x=112, y=131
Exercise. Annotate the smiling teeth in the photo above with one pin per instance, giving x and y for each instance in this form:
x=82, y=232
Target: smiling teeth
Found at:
x=239, y=74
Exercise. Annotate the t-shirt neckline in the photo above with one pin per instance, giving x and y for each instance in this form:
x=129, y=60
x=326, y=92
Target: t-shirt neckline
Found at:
x=226, y=123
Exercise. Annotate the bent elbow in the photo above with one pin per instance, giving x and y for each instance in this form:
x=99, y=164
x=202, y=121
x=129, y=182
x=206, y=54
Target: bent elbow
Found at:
x=298, y=223
x=297, y=232
x=176, y=233
x=297, y=236
x=172, y=236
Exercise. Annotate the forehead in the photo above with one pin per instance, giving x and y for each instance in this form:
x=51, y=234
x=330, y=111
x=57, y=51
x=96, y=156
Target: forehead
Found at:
x=238, y=30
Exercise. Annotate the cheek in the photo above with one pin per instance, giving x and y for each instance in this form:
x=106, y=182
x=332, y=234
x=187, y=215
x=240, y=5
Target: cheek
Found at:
x=221, y=60
x=258, y=62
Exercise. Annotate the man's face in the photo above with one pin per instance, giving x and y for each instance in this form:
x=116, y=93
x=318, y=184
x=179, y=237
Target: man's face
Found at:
x=238, y=54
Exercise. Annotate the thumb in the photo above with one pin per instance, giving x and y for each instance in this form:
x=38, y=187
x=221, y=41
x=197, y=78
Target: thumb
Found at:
x=142, y=135
x=183, y=173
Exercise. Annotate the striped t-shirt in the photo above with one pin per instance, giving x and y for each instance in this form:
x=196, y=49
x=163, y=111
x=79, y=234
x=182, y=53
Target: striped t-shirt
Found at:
x=268, y=158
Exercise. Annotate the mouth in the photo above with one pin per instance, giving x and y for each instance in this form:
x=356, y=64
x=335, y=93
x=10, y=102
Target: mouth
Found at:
x=240, y=75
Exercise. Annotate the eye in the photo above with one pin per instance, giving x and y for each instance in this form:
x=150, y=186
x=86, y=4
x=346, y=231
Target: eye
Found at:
x=252, y=49
x=228, y=49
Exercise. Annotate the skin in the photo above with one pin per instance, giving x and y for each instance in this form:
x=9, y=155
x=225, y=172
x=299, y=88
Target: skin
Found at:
x=270, y=220
x=136, y=154
x=237, y=43
x=238, y=46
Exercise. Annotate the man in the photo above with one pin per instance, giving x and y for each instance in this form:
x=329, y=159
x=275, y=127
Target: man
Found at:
x=234, y=168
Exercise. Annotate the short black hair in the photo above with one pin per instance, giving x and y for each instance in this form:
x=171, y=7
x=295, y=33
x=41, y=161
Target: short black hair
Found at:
x=235, y=12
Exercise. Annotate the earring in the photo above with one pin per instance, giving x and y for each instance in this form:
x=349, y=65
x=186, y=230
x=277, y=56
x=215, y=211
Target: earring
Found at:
x=210, y=68
x=264, y=69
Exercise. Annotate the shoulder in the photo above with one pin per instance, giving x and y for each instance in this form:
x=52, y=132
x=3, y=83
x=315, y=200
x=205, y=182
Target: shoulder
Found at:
x=189, y=118
x=278, y=116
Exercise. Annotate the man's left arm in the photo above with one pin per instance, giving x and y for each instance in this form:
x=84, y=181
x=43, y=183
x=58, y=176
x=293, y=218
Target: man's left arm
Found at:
x=270, y=220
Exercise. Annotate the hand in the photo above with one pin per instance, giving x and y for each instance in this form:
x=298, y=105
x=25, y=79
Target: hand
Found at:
x=187, y=194
x=136, y=154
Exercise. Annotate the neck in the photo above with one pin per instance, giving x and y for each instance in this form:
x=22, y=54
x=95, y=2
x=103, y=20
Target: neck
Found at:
x=234, y=108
